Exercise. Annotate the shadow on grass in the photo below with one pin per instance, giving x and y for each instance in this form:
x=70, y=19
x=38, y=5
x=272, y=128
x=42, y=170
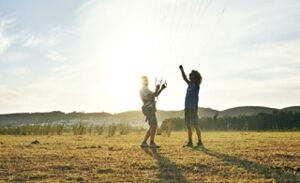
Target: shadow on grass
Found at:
x=168, y=170
x=278, y=175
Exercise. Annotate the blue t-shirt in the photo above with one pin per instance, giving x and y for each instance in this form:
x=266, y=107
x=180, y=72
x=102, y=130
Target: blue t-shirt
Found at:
x=192, y=96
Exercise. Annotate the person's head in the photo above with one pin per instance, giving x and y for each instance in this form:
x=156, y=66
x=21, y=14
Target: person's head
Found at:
x=196, y=77
x=144, y=80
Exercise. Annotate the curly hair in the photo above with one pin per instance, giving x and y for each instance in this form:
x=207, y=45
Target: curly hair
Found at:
x=197, y=77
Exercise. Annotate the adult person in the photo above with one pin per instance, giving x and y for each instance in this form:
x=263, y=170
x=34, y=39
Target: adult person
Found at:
x=149, y=110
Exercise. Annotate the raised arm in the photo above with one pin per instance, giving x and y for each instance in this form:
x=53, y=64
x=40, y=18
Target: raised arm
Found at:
x=183, y=75
x=160, y=89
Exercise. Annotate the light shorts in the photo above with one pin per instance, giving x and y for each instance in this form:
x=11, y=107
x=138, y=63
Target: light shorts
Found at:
x=150, y=114
x=152, y=119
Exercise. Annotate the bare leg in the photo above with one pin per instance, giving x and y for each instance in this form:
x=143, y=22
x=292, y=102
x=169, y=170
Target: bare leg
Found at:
x=190, y=133
x=147, y=135
x=153, y=129
x=198, y=131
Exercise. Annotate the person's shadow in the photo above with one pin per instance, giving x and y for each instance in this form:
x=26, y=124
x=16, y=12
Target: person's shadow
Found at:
x=277, y=174
x=168, y=170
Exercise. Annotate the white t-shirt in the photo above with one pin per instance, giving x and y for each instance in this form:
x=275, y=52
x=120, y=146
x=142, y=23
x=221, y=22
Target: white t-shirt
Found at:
x=147, y=96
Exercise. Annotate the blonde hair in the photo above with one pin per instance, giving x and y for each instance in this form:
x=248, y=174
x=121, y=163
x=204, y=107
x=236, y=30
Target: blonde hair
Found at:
x=144, y=80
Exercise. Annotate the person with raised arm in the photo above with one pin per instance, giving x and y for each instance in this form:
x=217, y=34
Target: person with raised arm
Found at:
x=191, y=105
x=149, y=110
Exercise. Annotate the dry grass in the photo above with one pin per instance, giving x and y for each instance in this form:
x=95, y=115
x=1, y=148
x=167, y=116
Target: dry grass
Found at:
x=227, y=157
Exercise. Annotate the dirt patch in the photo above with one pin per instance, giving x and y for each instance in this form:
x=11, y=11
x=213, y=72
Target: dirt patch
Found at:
x=84, y=168
x=195, y=167
x=62, y=167
x=151, y=167
x=38, y=177
x=288, y=156
x=18, y=179
x=105, y=170
x=115, y=148
x=80, y=179
x=35, y=142
x=89, y=147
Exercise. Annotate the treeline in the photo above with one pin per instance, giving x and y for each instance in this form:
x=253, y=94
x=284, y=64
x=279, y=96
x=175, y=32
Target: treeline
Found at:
x=110, y=130
x=59, y=129
x=48, y=117
x=35, y=129
x=277, y=120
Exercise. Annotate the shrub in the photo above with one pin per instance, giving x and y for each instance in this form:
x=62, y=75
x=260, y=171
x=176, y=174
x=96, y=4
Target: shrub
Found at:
x=89, y=130
x=79, y=129
x=99, y=129
x=124, y=129
x=59, y=129
x=159, y=131
x=35, y=129
x=168, y=131
x=112, y=129
x=169, y=124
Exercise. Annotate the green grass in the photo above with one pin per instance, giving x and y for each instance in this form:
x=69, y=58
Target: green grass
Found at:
x=227, y=157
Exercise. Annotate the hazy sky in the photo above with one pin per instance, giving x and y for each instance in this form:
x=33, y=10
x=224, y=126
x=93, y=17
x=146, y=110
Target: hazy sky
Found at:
x=78, y=55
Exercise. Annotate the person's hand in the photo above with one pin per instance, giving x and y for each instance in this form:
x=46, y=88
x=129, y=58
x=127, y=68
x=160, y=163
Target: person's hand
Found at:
x=164, y=86
x=157, y=87
x=180, y=67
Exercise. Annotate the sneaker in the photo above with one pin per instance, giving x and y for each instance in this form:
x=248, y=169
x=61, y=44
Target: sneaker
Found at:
x=154, y=145
x=189, y=144
x=144, y=144
x=199, y=145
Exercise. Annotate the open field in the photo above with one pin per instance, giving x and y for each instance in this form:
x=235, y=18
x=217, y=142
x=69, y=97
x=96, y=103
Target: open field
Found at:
x=227, y=157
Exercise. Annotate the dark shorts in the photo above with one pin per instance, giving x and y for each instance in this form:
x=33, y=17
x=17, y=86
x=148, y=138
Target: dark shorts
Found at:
x=191, y=118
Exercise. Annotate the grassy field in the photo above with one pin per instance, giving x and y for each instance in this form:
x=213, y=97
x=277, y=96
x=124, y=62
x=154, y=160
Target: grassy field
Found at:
x=227, y=157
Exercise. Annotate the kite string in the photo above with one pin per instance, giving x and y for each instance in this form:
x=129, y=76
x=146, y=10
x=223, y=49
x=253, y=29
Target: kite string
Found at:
x=214, y=28
x=175, y=27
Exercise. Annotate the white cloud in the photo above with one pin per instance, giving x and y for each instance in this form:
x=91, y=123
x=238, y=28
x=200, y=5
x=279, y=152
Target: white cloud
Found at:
x=5, y=40
x=56, y=56
x=52, y=43
x=4, y=44
x=21, y=72
x=14, y=57
x=33, y=41
x=44, y=41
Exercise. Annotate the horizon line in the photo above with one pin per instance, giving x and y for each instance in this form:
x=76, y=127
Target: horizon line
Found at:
x=113, y=113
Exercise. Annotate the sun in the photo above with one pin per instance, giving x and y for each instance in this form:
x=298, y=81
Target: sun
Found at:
x=134, y=54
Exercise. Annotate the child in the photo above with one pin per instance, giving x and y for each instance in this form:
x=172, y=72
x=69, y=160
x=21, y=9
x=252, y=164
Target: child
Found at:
x=149, y=108
x=191, y=105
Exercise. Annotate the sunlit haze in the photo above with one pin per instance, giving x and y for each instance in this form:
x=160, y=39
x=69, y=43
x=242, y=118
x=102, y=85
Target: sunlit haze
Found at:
x=78, y=55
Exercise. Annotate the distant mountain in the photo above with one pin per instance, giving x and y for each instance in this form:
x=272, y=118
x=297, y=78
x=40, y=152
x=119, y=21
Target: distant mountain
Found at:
x=135, y=118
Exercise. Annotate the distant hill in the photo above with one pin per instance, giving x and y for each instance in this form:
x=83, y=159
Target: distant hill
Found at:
x=207, y=112
x=292, y=108
x=49, y=117
x=135, y=118
x=246, y=111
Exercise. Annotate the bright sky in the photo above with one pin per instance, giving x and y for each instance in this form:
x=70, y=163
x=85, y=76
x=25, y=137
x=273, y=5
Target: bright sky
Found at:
x=79, y=55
